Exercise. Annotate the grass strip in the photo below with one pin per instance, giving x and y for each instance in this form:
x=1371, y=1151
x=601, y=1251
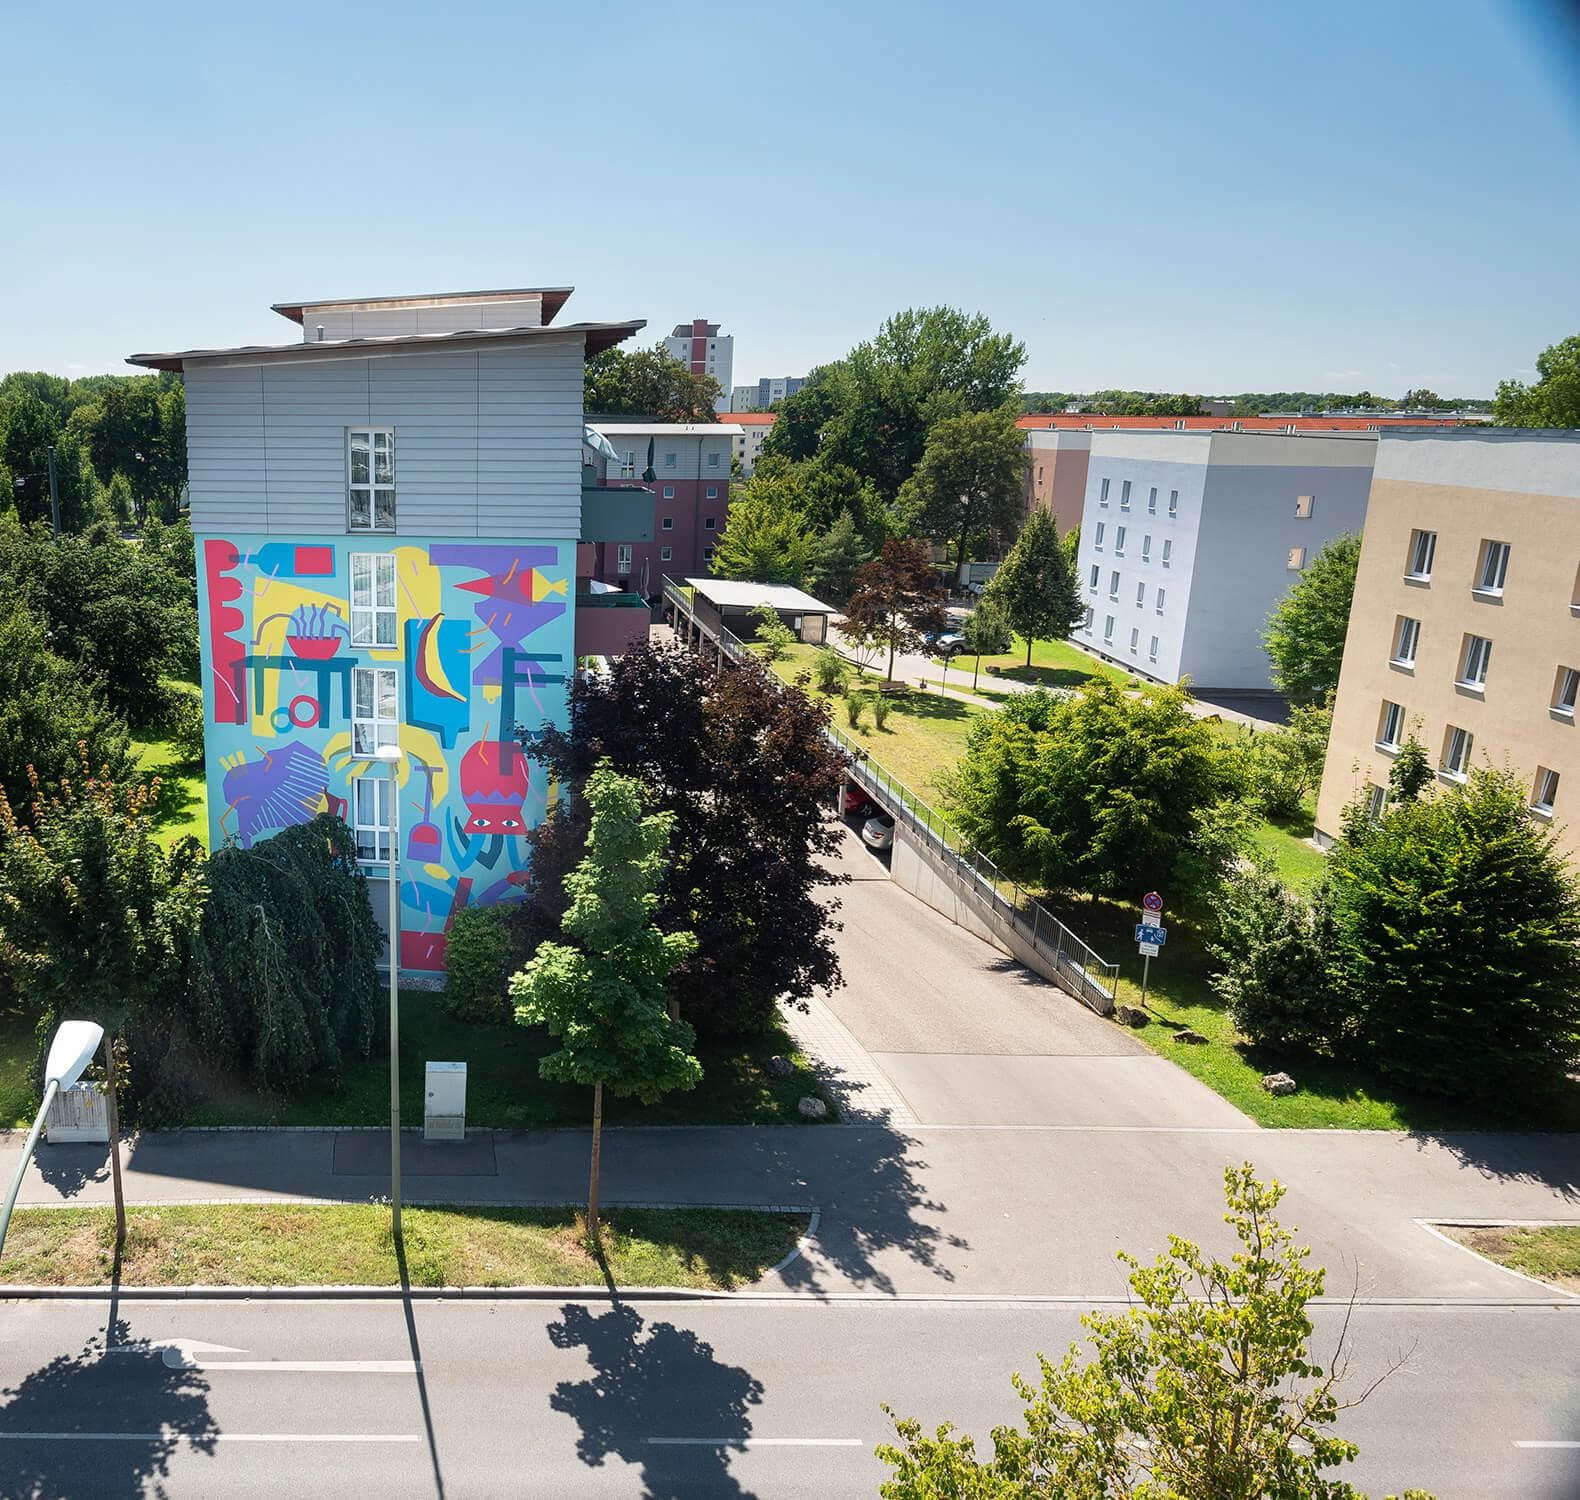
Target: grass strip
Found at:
x=1550, y=1252
x=339, y=1244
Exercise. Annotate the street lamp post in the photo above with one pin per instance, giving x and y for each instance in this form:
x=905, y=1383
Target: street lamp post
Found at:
x=71, y=1051
x=390, y=755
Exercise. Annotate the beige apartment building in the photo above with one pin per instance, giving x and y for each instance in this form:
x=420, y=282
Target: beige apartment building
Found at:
x=1465, y=631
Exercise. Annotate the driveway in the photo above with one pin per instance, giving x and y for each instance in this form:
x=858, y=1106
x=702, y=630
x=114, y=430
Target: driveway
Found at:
x=969, y=1037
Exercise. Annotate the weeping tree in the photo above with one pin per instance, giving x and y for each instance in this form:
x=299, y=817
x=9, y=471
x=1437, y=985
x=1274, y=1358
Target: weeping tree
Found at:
x=603, y=993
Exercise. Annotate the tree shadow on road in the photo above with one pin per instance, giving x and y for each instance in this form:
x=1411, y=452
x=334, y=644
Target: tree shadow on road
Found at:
x=117, y=1384
x=654, y=1381
x=1545, y=1159
x=71, y=1166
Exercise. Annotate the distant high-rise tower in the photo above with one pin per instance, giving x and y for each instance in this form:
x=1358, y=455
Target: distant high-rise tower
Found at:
x=704, y=351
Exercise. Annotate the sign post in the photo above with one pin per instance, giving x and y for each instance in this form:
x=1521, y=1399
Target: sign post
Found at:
x=1150, y=937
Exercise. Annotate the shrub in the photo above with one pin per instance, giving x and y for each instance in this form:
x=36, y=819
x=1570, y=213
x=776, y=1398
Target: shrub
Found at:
x=830, y=670
x=881, y=707
x=772, y=633
x=181, y=724
x=479, y=958
x=854, y=704
x=1285, y=765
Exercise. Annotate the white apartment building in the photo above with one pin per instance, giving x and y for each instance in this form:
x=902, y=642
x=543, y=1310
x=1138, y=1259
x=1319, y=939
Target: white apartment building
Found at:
x=1189, y=539
x=753, y=428
x=705, y=351
x=765, y=392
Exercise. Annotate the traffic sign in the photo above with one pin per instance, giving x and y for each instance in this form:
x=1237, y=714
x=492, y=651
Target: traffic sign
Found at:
x=1149, y=950
x=1152, y=901
x=1146, y=933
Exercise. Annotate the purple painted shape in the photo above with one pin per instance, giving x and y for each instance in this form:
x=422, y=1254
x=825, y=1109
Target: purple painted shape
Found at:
x=506, y=607
x=281, y=788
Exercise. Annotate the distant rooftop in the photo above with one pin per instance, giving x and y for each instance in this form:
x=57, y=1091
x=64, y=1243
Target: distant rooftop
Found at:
x=632, y=426
x=734, y=594
x=554, y=298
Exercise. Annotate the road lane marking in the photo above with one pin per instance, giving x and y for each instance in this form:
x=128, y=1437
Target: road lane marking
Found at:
x=755, y=1442
x=1535, y=1443
x=301, y=1366
x=212, y=1437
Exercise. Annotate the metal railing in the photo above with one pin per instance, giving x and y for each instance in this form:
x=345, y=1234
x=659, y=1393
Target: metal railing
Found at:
x=1092, y=979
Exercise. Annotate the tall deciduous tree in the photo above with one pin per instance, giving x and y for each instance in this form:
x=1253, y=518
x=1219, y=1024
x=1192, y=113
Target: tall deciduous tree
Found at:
x=799, y=420
x=1554, y=400
x=897, y=600
x=603, y=993
x=743, y=766
x=1206, y=1389
x=970, y=483
x=768, y=537
x=1036, y=584
x=1305, y=633
x=647, y=383
x=841, y=554
x=987, y=632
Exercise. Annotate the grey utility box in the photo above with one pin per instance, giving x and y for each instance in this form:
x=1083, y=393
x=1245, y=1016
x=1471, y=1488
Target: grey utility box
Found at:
x=79, y=1114
x=444, y=1102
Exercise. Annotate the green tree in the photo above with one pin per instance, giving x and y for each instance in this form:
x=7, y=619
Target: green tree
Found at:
x=970, y=483
x=1286, y=764
x=1460, y=926
x=799, y=419
x=896, y=602
x=771, y=632
x=841, y=554
x=767, y=537
x=1305, y=633
x=603, y=993
x=647, y=383
x=1554, y=400
x=1098, y=792
x=1205, y=1389
x=1037, y=586
x=987, y=632
x=1411, y=771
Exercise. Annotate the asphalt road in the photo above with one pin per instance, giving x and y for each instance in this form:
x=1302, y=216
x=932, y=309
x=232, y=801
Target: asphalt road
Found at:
x=671, y=1400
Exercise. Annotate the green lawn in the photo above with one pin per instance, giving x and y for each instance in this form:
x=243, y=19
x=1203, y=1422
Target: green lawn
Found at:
x=182, y=808
x=18, y=1047
x=1330, y=1094
x=1055, y=664
x=503, y=1088
x=344, y=1244
x=1286, y=842
x=1549, y=1252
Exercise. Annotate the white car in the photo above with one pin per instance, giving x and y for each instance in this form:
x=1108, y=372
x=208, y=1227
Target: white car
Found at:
x=878, y=831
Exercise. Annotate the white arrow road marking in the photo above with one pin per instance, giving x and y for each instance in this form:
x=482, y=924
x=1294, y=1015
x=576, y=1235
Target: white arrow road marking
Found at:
x=1553, y=1444
x=181, y=1354
x=182, y=1349
x=756, y=1442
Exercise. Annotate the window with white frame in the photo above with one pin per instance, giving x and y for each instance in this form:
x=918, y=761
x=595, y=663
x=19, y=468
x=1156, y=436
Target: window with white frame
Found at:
x=1152, y=501
x=1297, y=559
x=1423, y=548
x=1090, y=614
x=1473, y=661
x=669, y=492
x=1119, y=541
x=707, y=554
x=1124, y=495
x=1390, y=725
x=666, y=554
x=1141, y=593
x=1566, y=690
x=1376, y=801
x=370, y=818
x=1456, y=753
x=1113, y=584
x=1160, y=597
x=667, y=524
x=623, y=558
x=669, y=460
x=1174, y=502
x=713, y=492
x=1406, y=637
x=628, y=466
x=713, y=460
x=375, y=712
x=370, y=478
x=1168, y=551
x=1108, y=629
x=1494, y=567
x=1135, y=637
x=1545, y=792
x=1096, y=572
x=373, y=599
x=1102, y=497
x=1097, y=539
x=1152, y=650
x=1303, y=504
x=1146, y=548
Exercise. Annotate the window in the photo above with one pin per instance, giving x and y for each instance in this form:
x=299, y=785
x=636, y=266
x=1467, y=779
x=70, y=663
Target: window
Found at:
x=1124, y=495
x=1146, y=548
x=1566, y=691
x=375, y=720
x=708, y=524
x=669, y=492
x=1090, y=612
x=665, y=553
x=1456, y=753
x=1108, y=629
x=1152, y=501
x=707, y=554
x=667, y=524
x=1119, y=541
x=713, y=492
x=1097, y=541
x=1303, y=504
x=628, y=466
x=373, y=599
x=1168, y=549
x=713, y=460
x=1423, y=547
x=669, y=460
x=1297, y=559
x=370, y=812
x=1096, y=570
x=1174, y=502
x=370, y=478
x=1407, y=636
x=623, y=559
x=1160, y=596
x=1152, y=650
x=1494, y=567
x=1390, y=725
x=1141, y=594
x=1473, y=663
x=1546, y=791
x=1135, y=638
x=1102, y=498
x=1113, y=584
x=1376, y=801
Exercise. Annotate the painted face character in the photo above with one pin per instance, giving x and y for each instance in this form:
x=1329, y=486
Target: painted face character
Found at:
x=494, y=787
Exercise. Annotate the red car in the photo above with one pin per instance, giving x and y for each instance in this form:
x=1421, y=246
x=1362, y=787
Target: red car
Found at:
x=857, y=802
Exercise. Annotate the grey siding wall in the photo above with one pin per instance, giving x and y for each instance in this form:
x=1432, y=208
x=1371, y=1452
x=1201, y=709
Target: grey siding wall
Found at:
x=486, y=443
x=377, y=322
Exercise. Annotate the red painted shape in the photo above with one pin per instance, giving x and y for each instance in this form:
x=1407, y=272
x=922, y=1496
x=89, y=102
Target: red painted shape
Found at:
x=315, y=562
x=226, y=653
x=423, y=951
x=313, y=647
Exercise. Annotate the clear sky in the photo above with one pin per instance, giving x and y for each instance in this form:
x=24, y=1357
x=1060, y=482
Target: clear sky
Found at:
x=1155, y=195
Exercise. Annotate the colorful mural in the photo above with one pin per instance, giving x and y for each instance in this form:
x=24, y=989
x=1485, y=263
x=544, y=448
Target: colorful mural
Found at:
x=449, y=648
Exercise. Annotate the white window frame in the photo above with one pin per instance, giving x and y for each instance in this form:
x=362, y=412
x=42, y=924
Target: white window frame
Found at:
x=1545, y=791
x=1120, y=533
x=379, y=823
x=1566, y=690
x=1174, y=502
x=1097, y=577
x=374, y=730
x=623, y=559
x=1492, y=569
x=367, y=613
x=712, y=492
x=666, y=554
x=1376, y=801
x=1135, y=639
x=1113, y=584
x=1160, y=597
x=1168, y=548
x=1152, y=653
x=1146, y=547
x=1152, y=501
x=669, y=492
x=1097, y=539
x=1108, y=630
x=1473, y=662
x=669, y=460
x=1406, y=625
x=372, y=488
x=628, y=466
x=667, y=524
x=1102, y=495
x=1457, y=745
x=1141, y=592
x=1390, y=724
x=1296, y=560
x=1423, y=553
x=1124, y=495
x=1303, y=506
x=707, y=554
x=713, y=460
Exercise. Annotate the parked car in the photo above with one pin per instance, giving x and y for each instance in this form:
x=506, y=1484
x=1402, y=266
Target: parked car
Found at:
x=944, y=642
x=878, y=831
x=856, y=800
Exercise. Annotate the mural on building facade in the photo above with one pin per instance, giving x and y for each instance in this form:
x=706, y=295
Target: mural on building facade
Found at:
x=442, y=647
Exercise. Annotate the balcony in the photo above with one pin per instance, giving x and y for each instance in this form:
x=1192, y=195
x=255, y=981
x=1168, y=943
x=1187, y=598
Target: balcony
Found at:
x=609, y=621
x=616, y=513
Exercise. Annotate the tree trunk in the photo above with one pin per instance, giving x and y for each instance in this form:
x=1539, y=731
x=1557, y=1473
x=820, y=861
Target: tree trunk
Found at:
x=960, y=567
x=891, y=658
x=976, y=666
x=112, y=1080
x=592, y=1182
x=1028, y=650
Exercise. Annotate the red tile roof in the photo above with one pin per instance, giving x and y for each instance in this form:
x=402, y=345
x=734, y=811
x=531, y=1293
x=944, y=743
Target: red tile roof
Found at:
x=748, y=418
x=1081, y=421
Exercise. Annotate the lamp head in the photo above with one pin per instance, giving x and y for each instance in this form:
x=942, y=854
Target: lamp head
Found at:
x=71, y=1051
x=388, y=755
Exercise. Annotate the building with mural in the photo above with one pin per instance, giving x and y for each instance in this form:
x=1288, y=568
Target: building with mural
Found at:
x=387, y=515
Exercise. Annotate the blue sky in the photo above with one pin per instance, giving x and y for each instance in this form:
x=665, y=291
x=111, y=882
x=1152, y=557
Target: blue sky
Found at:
x=1152, y=195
